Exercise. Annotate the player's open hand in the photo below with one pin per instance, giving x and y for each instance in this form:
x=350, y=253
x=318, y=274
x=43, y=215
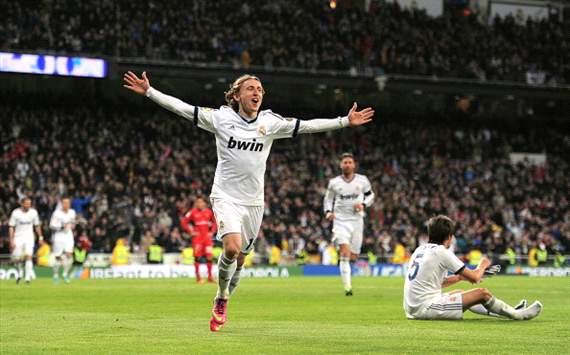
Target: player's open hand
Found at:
x=133, y=83
x=329, y=216
x=358, y=118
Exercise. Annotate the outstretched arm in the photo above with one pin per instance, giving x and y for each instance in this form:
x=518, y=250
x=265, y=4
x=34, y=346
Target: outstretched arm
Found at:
x=287, y=128
x=353, y=119
x=141, y=86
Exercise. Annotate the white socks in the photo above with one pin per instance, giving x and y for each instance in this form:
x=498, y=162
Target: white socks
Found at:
x=479, y=309
x=226, y=270
x=234, y=282
x=20, y=266
x=29, y=270
x=67, y=263
x=344, y=267
x=57, y=263
x=499, y=307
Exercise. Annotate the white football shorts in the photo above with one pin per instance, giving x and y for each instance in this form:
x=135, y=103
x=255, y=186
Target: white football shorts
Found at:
x=24, y=246
x=235, y=218
x=62, y=244
x=348, y=232
x=444, y=307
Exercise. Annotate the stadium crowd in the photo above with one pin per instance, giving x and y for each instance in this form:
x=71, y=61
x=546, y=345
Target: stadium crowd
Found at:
x=294, y=34
x=132, y=174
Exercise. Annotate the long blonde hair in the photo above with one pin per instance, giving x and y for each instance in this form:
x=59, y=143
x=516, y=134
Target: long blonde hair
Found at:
x=235, y=87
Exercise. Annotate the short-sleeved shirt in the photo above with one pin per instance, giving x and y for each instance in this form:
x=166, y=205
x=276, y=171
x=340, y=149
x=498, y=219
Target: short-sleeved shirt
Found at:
x=428, y=267
x=24, y=222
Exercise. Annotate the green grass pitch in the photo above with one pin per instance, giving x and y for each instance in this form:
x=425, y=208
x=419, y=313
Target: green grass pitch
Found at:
x=291, y=316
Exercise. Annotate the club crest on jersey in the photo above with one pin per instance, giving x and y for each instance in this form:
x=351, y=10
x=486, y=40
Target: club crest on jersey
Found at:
x=261, y=130
x=252, y=146
x=221, y=225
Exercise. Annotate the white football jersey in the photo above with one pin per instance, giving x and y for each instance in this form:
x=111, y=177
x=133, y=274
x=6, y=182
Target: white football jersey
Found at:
x=24, y=222
x=242, y=145
x=428, y=267
x=342, y=195
x=59, y=219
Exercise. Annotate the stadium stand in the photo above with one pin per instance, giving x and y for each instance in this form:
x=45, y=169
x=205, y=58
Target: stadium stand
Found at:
x=295, y=34
x=132, y=173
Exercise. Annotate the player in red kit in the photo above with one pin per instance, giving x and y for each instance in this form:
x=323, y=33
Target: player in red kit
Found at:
x=203, y=228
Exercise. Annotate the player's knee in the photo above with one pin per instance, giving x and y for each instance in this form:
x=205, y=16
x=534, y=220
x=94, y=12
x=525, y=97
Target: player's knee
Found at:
x=485, y=294
x=231, y=251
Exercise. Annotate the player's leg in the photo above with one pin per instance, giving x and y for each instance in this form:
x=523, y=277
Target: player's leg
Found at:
x=198, y=254
x=234, y=282
x=480, y=309
x=250, y=229
x=227, y=263
x=344, y=267
x=341, y=238
x=67, y=258
x=355, y=248
x=497, y=306
x=18, y=259
x=209, y=255
x=29, y=266
x=67, y=264
x=57, y=252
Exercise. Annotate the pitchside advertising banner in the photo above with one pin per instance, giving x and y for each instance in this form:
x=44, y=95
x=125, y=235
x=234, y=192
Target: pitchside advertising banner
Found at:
x=187, y=271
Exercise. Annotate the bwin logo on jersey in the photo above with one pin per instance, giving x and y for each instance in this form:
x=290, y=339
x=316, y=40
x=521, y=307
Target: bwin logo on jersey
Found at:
x=241, y=145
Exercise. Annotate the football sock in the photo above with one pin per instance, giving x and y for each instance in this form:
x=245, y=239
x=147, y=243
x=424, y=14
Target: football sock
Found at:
x=226, y=269
x=234, y=282
x=67, y=263
x=479, y=309
x=499, y=307
x=209, y=266
x=344, y=267
x=29, y=269
x=197, y=270
x=56, y=265
x=20, y=266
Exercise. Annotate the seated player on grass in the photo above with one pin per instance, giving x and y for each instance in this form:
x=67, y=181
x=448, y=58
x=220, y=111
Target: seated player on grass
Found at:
x=428, y=272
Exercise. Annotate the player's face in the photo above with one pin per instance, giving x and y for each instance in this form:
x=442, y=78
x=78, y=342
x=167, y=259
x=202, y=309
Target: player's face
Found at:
x=250, y=96
x=65, y=204
x=200, y=204
x=26, y=204
x=347, y=166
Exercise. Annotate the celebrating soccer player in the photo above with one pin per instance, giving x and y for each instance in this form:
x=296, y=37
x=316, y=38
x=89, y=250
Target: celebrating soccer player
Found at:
x=344, y=202
x=427, y=275
x=244, y=136
x=202, y=230
x=22, y=222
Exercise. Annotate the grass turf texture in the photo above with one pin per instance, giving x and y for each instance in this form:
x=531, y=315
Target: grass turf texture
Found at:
x=295, y=315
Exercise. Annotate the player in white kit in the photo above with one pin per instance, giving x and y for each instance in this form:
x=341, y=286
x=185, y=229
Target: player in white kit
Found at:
x=428, y=272
x=244, y=136
x=62, y=224
x=344, y=203
x=23, y=221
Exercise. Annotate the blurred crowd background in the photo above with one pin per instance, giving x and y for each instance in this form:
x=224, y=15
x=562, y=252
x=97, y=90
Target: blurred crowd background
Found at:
x=382, y=37
x=132, y=174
